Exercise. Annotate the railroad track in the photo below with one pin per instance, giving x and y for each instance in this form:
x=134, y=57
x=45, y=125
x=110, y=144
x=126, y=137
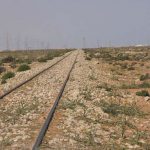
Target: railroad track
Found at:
x=49, y=118
x=31, y=78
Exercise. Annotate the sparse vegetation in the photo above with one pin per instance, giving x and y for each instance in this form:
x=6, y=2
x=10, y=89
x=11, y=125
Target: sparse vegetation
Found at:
x=8, y=75
x=42, y=59
x=136, y=86
x=105, y=86
x=86, y=93
x=87, y=57
x=8, y=59
x=143, y=93
x=92, y=76
x=145, y=77
x=28, y=57
x=118, y=54
x=116, y=109
x=103, y=103
x=23, y=67
x=68, y=104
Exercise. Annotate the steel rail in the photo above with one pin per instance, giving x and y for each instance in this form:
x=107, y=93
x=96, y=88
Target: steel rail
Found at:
x=39, y=73
x=49, y=118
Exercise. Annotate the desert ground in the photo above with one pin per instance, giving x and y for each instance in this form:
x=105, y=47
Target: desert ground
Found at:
x=105, y=104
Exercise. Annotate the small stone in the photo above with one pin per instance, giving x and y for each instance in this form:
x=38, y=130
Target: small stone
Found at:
x=147, y=98
x=65, y=140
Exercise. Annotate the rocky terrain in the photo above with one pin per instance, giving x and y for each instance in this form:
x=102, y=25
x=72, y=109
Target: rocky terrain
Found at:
x=35, y=66
x=23, y=111
x=103, y=105
x=96, y=113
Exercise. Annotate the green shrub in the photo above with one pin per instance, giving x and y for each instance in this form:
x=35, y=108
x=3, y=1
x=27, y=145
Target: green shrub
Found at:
x=69, y=104
x=21, y=61
x=136, y=86
x=23, y=67
x=51, y=56
x=8, y=59
x=42, y=60
x=88, y=58
x=1, y=63
x=144, y=85
x=131, y=86
x=8, y=75
x=143, y=93
x=105, y=86
x=117, y=109
x=145, y=77
x=122, y=57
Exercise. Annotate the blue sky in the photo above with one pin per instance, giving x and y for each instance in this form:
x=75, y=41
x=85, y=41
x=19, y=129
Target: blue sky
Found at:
x=64, y=23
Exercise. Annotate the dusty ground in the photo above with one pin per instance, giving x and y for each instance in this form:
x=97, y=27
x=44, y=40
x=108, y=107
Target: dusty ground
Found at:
x=23, y=111
x=22, y=76
x=96, y=113
x=99, y=108
x=25, y=57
